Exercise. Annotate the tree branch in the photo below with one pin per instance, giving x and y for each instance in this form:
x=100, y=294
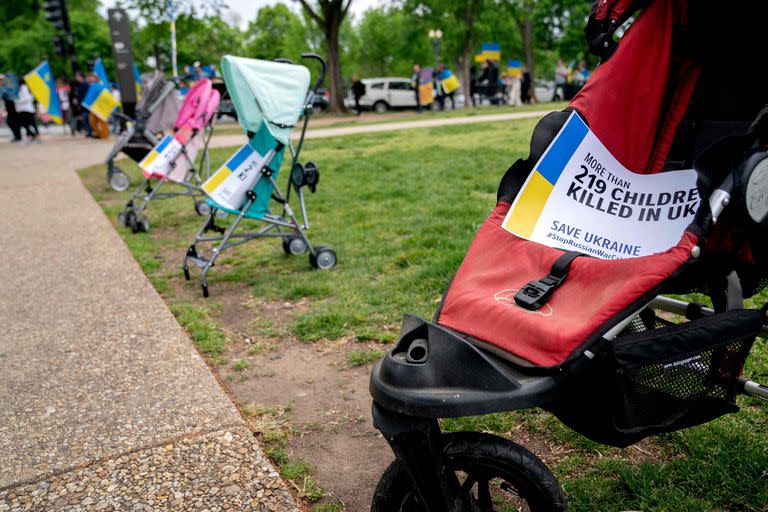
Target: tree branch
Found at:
x=312, y=13
x=346, y=8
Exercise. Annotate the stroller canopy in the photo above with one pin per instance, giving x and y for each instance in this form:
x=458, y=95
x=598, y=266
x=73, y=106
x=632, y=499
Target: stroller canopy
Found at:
x=266, y=92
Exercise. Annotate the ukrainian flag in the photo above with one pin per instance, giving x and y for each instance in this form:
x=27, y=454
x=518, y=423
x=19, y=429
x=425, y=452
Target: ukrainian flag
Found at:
x=490, y=51
x=137, y=76
x=42, y=87
x=100, y=101
x=525, y=211
x=101, y=72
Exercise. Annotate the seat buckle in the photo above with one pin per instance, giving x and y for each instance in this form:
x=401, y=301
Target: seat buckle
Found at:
x=536, y=293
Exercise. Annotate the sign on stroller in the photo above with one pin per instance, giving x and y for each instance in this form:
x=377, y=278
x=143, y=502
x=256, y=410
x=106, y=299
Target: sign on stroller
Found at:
x=172, y=159
x=270, y=97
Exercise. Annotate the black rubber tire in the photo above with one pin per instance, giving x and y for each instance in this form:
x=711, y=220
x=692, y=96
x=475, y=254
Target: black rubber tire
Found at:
x=143, y=224
x=186, y=273
x=118, y=180
x=380, y=107
x=205, y=291
x=287, y=245
x=122, y=219
x=202, y=208
x=479, y=453
x=323, y=258
x=133, y=222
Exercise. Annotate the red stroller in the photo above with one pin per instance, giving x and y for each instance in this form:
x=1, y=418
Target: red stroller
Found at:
x=534, y=325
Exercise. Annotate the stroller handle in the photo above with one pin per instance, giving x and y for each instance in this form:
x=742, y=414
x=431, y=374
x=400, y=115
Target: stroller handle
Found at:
x=320, y=78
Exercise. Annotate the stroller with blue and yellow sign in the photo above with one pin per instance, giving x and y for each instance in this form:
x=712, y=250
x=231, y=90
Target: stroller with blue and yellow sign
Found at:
x=270, y=98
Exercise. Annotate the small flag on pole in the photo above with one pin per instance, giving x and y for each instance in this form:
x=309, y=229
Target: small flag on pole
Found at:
x=42, y=87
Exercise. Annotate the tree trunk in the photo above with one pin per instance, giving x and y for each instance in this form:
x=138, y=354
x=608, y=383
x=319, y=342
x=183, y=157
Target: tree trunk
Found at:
x=470, y=9
x=530, y=60
x=336, y=82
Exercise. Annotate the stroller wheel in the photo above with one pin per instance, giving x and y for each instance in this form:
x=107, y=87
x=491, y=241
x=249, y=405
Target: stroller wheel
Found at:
x=132, y=222
x=493, y=473
x=119, y=181
x=205, y=291
x=186, y=273
x=144, y=224
x=202, y=208
x=294, y=245
x=322, y=258
x=220, y=214
x=122, y=219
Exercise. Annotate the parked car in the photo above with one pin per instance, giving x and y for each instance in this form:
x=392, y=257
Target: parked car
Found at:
x=546, y=91
x=387, y=93
x=321, y=101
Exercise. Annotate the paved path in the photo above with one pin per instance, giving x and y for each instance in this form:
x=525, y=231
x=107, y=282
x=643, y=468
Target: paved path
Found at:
x=238, y=139
x=104, y=402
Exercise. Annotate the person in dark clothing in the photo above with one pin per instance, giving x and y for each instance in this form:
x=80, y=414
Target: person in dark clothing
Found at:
x=12, y=117
x=82, y=92
x=358, y=91
x=525, y=86
x=415, y=84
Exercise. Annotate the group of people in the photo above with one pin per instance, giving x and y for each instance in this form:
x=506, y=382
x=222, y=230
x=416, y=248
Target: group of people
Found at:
x=20, y=112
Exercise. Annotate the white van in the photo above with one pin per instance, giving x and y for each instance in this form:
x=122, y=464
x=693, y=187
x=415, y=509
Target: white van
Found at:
x=382, y=94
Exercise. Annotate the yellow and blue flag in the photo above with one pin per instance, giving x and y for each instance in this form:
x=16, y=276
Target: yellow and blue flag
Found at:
x=101, y=72
x=100, y=101
x=137, y=76
x=489, y=51
x=42, y=87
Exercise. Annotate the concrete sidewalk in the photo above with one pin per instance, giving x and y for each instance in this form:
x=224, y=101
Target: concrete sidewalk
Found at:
x=104, y=402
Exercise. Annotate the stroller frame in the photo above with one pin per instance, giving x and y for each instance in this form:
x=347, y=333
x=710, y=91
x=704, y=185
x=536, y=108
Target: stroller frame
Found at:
x=132, y=215
x=117, y=179
x=295, y=240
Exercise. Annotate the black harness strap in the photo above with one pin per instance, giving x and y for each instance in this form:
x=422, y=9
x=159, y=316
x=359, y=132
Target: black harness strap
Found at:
x=536, y=293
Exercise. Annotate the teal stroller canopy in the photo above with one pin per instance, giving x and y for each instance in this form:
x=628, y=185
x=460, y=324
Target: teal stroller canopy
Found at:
x=266, y=93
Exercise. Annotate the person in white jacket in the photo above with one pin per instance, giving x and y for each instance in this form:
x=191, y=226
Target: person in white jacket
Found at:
x=25, y=108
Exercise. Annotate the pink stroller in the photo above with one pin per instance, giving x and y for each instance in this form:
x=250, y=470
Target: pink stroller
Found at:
x=173, y=158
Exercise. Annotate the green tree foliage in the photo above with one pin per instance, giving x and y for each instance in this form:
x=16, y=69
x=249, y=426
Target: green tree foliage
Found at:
x=197, y=39
x=28, y=38
x=276, y=32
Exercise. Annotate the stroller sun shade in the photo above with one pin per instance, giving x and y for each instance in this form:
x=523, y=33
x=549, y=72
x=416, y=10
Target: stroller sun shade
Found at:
x=265, y=92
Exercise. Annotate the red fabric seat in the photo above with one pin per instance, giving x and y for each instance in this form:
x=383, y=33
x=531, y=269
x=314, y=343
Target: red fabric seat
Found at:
x=480, y=301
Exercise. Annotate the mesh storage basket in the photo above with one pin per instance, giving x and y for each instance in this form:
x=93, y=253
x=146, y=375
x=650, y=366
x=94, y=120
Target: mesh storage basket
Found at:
x=677, y=376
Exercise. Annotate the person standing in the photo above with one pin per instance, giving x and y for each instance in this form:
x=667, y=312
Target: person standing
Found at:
x=415, y=85
x=82, y=92
x=25, y=108
x=513, y=95
x=561, y=80
x=62, y=91
x=358, y=91
x=12, y=117
x=525, y=86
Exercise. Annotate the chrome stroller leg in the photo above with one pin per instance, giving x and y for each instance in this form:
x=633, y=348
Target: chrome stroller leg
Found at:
x=216, y=251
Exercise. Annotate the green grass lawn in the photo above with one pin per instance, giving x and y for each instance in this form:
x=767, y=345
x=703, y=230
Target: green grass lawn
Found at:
x=350, y=119
x=401, y=209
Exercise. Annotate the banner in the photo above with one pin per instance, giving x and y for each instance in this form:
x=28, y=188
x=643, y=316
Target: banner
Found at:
x=426, y=87
x=165, y=159
x=237, y=176
x=579, y=197
x=41, y=85
x=120, y=32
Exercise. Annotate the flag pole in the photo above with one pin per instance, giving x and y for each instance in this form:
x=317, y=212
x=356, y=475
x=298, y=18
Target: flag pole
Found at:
x=172, y=14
